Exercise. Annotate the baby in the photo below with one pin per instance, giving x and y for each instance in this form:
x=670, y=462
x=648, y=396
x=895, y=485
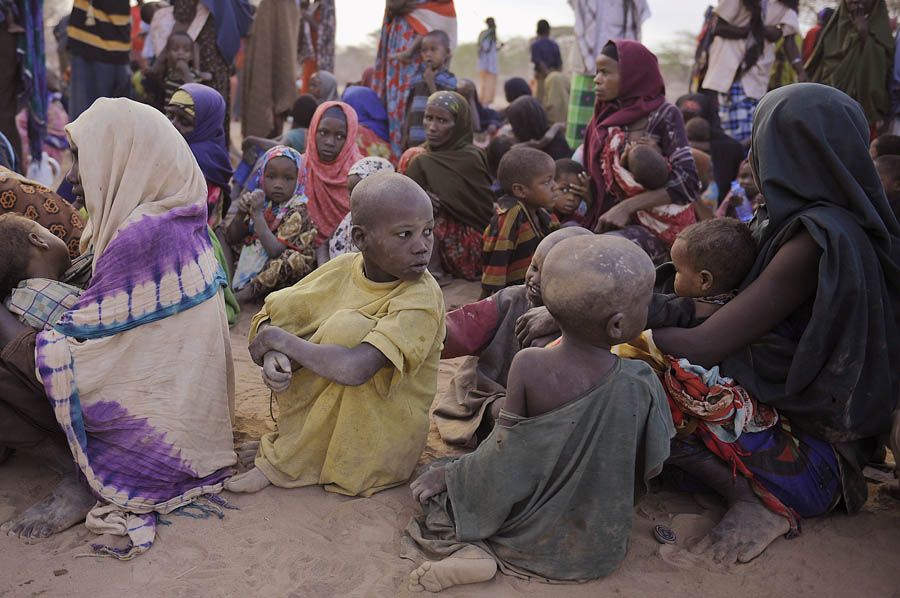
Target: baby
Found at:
x=647, y=165
x=551, y=492
x=711, y=259
x=178, y=64
x=352, y=353
x=32, y=262
x=521, y=220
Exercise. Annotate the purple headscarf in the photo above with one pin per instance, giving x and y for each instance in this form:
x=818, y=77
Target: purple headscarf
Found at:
x=207, y=140
x=369, y=108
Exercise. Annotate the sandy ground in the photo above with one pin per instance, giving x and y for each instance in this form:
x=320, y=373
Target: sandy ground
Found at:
x=307, y=542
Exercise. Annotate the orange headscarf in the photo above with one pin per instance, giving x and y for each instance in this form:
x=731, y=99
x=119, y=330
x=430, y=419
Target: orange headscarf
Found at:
x=326, y=183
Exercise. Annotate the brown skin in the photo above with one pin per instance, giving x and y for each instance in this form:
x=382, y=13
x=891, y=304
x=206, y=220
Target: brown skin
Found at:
x=540, y=190
x=180, y=119
x=606, y=89
x=890, y=181
x=438, y=123
x=566, y=199
x=690, y=282
x=331, y=135
x=435, y=56
x=542, y=380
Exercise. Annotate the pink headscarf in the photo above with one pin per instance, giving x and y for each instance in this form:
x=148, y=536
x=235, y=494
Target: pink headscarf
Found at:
x=326, y=184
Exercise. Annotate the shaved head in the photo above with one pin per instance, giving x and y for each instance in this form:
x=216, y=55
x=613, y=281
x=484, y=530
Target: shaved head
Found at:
x=598, y=288
x=558, y=236
x=384, y=196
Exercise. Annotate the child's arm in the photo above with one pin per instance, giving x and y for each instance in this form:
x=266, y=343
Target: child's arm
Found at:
x=239, y=227
x=407, y=55
x=273, y=246
x=516, y=402
x=346, y=366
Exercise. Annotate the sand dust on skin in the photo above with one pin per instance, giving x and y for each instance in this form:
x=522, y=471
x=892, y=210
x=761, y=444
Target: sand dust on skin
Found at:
x=306, y=542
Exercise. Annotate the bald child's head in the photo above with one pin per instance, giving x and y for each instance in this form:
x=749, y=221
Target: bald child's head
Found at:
x=533, y=274
x=392, y=227
x=648, y=166
x=598, y=288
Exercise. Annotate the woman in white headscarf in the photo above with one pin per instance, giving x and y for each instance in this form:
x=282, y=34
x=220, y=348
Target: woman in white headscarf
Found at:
x=139, y=371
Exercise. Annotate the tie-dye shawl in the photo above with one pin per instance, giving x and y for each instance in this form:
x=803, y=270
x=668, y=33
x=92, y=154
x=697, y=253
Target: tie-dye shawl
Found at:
x=139, y=372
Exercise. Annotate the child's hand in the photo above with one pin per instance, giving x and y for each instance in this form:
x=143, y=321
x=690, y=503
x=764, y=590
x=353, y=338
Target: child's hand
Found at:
x=256, y=201
x=431, y=483
x=184, y=70
x=429, y=75
x=580, y=189
x=276, y=372
x=244, y=203
x=266, y=340
x=534, y=324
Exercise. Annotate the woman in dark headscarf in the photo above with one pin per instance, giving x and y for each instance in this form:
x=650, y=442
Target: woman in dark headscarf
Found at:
x=814, y=331
x=631, y=107
x=854, y=53
x=515, y=88
x=726, y=152
x=198, y=112
x=456, y=172
x=529, y=123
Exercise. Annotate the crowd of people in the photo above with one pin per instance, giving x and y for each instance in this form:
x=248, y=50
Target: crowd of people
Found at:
x=728, y=263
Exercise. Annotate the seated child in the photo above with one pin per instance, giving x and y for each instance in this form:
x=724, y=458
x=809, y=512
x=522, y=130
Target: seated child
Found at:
x=179, y=64
x=434, y=75
x=352, y=353
x=486, y=332
x=33, y=261
x=581, y=431
x=888, y=167
x=885, y=145
x=572, y=195
x=521, y=220
x=272, y=233
x=743, y=198
x=711, y=259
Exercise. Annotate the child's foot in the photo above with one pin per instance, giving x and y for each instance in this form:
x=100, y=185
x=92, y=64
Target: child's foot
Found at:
x=469, y=565
x=249, y=481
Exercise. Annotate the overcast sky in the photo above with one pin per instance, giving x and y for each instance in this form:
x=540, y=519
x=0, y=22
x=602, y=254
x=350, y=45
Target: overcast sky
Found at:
x=357, y=18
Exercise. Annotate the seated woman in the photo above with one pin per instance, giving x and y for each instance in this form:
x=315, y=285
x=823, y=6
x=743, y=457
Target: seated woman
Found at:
x=272, y=233
x=198, y=112
x=632, y=106
x=328, y=164
x=814, y=331
x=530, y=126
x=373, y=138
x=147, y=433
x=456, y=173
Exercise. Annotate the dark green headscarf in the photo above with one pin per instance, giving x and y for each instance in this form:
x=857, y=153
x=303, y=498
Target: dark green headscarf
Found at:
x=833, y=367
x=860, y=68
x=457, y=173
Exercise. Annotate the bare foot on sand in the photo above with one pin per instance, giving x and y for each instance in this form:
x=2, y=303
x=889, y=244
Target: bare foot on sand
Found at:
x=246, y=453
x=468, y=565
x=249, y=481
x=743, y=534
x=66, y=506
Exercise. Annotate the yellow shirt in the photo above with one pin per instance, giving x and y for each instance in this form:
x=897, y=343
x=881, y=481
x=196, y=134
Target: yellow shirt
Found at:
x=363, y=439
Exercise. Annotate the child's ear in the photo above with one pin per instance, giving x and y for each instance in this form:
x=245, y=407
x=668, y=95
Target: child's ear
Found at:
x=706, y=280
x=615, y=330
x=519, y=191
x=358, y=234
x=37, y=241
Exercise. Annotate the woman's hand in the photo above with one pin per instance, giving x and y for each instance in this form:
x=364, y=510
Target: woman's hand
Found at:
x=617, y=217
x=431, y=483
x=534, y=324
x=276, y=372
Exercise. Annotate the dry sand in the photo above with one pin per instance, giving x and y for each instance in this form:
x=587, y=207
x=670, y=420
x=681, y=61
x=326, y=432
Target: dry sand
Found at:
x=307, y=542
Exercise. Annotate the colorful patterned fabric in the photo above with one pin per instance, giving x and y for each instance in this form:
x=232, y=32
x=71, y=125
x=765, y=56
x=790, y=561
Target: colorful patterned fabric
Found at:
x=38, y=203
x=736, y=112
x=459, y=247
x=371, y=145
x=510, y=241
x=40, y=302
x=392, y=75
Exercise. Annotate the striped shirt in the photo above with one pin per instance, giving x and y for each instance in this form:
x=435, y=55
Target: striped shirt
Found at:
x=100, y=30
x=510, y=241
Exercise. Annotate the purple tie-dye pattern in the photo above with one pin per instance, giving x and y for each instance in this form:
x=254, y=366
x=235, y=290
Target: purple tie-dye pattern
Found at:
x=161, y=244
x=129, y=454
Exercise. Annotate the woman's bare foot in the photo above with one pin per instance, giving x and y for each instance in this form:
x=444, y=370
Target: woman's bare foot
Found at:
x=468, y=565
x=246, y=453
x=249, y=481
x=748, y=527
x=66, y=506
